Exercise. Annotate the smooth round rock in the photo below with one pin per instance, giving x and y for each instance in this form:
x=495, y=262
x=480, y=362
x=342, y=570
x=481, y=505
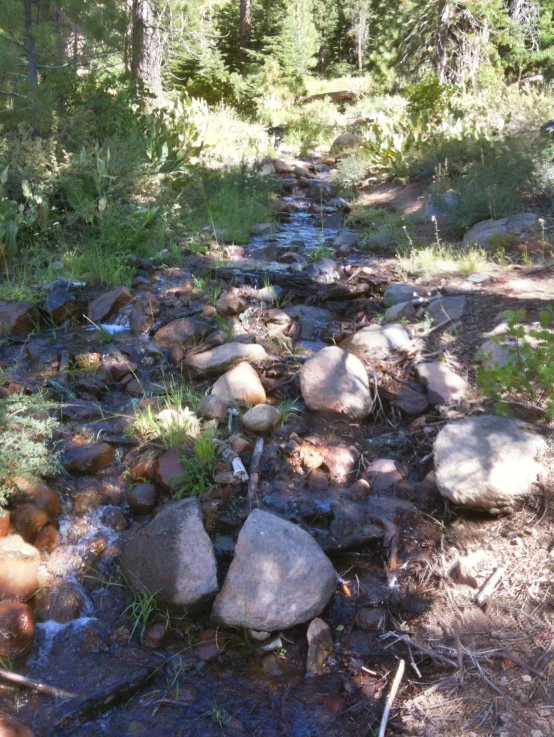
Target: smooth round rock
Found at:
x=261, y=419
x=142, y=498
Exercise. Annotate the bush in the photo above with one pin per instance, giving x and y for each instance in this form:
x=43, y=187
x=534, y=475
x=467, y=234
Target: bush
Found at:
x=528, y=375
x=351, y=172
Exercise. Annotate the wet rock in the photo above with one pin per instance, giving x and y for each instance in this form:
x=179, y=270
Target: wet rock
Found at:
x=411, y=401
x=346, y=142
x=134, y=388
x=224, y=357
x=169, y=471
x=18, y=569
x=115, y=519
x=141, y=498
x=108, y=304
x=483, y=233
x=449, y=308
x=324, y=271
x=443, y=385
x=174, y=556
x=183, y=333
x=156, y=635
x=37, y=494
x=359, y=490
x=17, y=318
x=279, y=577
x=121, y=369
x=14, y=728
x=17, y=630
x=376, y=341
x=353, y=525
x=62, y=603
x=261, y=419
x=382, y=474
x=139, y=322
x=346, y=238
x=312, y=321
x=47, y=539
x=28, y=521
x=86, y=502
x=88, y=458
x=487, y=462
x=271, y=665
x=61, y=306
x=79, y=411
x=229, y=303
x=401, y=292
x=283, y=167
x=402, y=310
x=279, y=207
x=335, y=381
x=291, y=257
x=213, y=407
x=320, y=644
x=241, y=384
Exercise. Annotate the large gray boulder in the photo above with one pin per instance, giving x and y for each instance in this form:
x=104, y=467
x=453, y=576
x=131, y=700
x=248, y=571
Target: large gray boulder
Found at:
x=336, y=381
x=449, y=308
x=279, y=577
x=483, y=233
x=376, y=341
x=487, y=462
x=173, y=557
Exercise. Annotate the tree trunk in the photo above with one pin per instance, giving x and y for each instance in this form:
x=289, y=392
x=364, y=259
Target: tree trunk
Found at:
x=360, y=38
x=442, y=40
x=146, y=50
x=245, y=29
x=30, y=42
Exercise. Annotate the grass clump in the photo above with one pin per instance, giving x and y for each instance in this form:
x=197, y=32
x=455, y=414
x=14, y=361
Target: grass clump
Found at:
x=26, y=427
x=528, y=375
x=198, y=467
x=441, y=258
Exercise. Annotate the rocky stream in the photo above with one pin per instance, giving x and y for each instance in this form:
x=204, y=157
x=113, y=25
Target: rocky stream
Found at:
x=274, y=601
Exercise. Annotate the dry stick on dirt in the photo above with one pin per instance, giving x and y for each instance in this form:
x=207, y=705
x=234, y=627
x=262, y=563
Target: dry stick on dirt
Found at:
x=486, y=590
x=391, y=697
x=57, y=693
x=229, y=456
x=426, y=650
x=255, y=471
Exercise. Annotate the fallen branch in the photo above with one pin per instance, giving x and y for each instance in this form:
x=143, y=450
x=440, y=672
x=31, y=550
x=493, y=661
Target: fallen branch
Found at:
x=57, y=693
x=229, y=456
x=255, y=471
x=487, y=589
x=426, y=650
x=391, y=697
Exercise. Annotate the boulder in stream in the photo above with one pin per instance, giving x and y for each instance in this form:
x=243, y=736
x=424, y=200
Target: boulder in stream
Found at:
x=279, y=577
x=17, y=317
x=18, y=569
x=487, y=462
x=336, y=381
x=14, y=728
x=109, y=304
x=17, y=630
x=173, y=556
x=223, y=357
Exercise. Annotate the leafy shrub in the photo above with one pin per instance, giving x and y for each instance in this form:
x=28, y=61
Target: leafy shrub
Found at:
x=26, y=426
x=351, y=172
x=528, y=375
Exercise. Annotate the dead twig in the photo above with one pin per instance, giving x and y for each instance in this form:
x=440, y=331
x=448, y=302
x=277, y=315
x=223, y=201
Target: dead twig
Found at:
x=487, y=589
x=57, y=693
x=426, y=650
x=229, y=456
x=255, y=471
x=392, y=695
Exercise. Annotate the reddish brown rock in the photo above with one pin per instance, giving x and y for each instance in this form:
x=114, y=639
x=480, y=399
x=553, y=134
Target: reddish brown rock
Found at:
x=86, y=502
x=37, y=494
x=212, y=407
x=134, y=388
x=17, y=318
x=382, y=474
x=156, y=635
x=28, y=521
x=144, y=469
x=47, y=539
x=340, y=460
x=4, y=522
x=108, y=304
x=88, y=458
x=123, y=368
x=14, y=728
x=139, y=322
x=61, y=603
x=230, y=303
x=359, y=490
x=18, y=569
x=17, y=629
x=182, y=332
x=142, y=498
x=169, y=471
x=61, y=306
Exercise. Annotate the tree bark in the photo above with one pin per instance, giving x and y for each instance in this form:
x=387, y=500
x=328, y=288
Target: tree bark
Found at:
x=30, y=42
x=146, y=50
x=245, y=29
x=442, y=40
